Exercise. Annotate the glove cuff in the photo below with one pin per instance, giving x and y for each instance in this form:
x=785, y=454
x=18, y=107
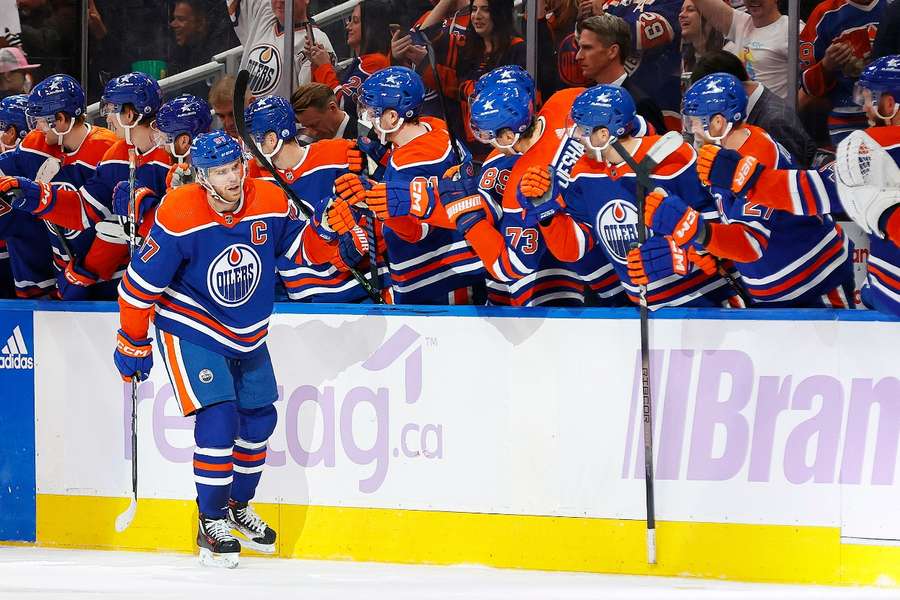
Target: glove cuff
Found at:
x=134, y=348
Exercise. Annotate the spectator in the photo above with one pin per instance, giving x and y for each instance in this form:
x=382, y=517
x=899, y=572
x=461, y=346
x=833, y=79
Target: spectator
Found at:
x=491, y=41
x=445, y=27
x=888, y=39
x=368, y=35
x=759, y=37
x=259, y=24
x=698, y=37
x=50, y=34
x=317, y=111
x=561, y=17
x=654, y=59
x=604, y=42
x=198, y=34
x=834, y=46
x=15, y=72
x=765, y=109
x=221, y=98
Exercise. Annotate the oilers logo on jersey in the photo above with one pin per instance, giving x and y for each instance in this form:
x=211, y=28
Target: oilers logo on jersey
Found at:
x=264, y=64
x=617, y=228
x=233, y=275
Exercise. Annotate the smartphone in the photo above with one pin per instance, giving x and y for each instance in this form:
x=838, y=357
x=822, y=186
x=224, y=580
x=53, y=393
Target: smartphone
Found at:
x=418, y=37
x=394, y=28
x=310, y=36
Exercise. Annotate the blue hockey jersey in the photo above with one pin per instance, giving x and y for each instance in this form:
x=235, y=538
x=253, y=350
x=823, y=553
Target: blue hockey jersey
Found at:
x=210, y=278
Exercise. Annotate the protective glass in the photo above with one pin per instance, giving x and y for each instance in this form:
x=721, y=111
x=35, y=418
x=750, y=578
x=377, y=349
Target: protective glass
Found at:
x=43, y=123
x=160, y=137
x=108, y=108
x=695, y=125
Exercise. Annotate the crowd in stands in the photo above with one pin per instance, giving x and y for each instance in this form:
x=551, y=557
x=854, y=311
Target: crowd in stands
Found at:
x=435, y=170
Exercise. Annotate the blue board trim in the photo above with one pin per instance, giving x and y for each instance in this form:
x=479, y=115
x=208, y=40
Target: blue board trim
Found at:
x=299, y=308
x=17, y=452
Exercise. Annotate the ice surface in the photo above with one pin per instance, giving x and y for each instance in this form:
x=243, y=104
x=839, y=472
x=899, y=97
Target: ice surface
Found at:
x=38, y=573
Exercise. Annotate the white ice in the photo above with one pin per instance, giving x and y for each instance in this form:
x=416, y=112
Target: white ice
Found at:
x=39, y=573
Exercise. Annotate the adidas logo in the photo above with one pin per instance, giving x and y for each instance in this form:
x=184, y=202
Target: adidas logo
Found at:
x=14, y=354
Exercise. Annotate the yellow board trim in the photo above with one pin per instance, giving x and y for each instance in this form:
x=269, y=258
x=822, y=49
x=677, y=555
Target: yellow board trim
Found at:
x=770, y=553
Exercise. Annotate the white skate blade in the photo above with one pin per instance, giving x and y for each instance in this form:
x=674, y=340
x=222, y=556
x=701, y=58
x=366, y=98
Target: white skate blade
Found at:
x=251, y=545
x=225, y=560
x=125, y=519
x=247, y=541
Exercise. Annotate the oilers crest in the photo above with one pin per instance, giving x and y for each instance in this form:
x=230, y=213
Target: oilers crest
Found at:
x=264, y=65
x=234, y=275
x=617, y=228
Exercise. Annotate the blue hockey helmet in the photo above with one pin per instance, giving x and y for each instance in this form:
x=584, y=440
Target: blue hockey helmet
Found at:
x=137, y=89
x=603, y=106
x=56, y=94
x=716, y=94
x=501, y=107
x=398, y=88
x=214, y=149
x=217, y=149
x=881, y=76
x=183, y=114
x=505, y=75
x=12, y=114
x=272, y=113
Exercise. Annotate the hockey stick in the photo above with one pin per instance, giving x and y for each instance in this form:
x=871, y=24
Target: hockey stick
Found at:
x=663, y=147
x=643, y=177
x=125, y=519
x=240, y=89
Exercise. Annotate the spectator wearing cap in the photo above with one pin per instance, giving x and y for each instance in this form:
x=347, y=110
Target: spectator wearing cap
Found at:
x=15, y=72
x=320, y=117
x=765, y=109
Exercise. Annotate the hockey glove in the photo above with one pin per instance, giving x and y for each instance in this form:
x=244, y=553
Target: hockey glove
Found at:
x=179, y=176
x=352, y=247
x=25, y=194
x=668, y=215
x=79, y=276
x=657, y=258
x=351, y=188
x=144, y=200
x=727, y=169
x=538, y=195
x=133, y=357
x=356, y=161
x=372, y=148
x=465, y=212
x=340, y=216
x=418, y=197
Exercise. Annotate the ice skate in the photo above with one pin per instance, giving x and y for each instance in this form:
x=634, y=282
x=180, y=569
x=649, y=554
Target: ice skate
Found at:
x=256, y=533
x=218, y=548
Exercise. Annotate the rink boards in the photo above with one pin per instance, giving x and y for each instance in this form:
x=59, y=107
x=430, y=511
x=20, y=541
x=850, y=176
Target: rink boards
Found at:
x=490, y=436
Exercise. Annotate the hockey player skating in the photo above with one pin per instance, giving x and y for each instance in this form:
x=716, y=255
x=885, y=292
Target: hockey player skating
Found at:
x=599, y=207
x=206, y=273
x=864, y=181
x=784, y=260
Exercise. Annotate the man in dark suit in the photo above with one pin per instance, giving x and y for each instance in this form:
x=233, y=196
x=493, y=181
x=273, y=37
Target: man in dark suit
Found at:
x=319, y=115
x=604, y=43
